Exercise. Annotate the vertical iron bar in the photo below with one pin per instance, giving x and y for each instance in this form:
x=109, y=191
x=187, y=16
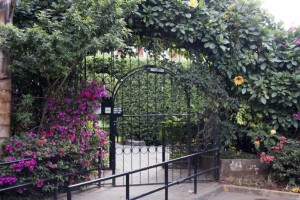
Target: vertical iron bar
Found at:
x=127, y=187
x=147, y=109
x=166, y=181
x=189, y=130
x=55, y=194
x=215, y=145
x=140, y=123
x=69, y=194
x=195, y=172
x=163, y=144
x=85, y=75
x=112, y=135
x=76, y=80
x=99, y=166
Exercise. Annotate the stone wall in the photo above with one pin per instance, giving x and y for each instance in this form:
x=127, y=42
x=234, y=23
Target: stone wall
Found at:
x=251, y=169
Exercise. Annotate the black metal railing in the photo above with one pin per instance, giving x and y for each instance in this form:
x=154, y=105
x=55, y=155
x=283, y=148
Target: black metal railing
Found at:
x=98, y=167
x=193, y=157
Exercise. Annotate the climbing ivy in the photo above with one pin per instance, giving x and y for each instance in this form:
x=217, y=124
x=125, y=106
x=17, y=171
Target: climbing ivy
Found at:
x=234, y=38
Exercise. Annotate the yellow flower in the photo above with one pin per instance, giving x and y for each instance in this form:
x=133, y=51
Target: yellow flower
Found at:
x=296, y=190
x=257, y=143
x=273, y=132
x=238, y=80
x=193, y=3
x=89, y=125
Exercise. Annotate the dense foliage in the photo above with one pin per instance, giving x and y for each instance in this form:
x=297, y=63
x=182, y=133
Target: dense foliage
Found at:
x=53, y=121
x=50, y=44
x=70, y=142
x=235, y=39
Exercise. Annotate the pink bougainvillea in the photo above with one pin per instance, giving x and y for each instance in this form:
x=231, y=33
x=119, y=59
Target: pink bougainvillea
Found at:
x=71, y=128
x=40, y=183
x=7, y=180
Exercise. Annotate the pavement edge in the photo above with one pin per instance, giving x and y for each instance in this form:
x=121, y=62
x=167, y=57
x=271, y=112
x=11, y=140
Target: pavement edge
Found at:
x=262, y=192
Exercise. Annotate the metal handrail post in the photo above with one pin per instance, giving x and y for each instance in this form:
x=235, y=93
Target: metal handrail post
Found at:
x=127, y=187
x=166, y=181
x=195, y=172
x=99, y=167
x=69, y=194
x=55, y=193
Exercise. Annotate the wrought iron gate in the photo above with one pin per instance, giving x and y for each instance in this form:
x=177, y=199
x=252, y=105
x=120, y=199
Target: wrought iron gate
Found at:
x=150, y=122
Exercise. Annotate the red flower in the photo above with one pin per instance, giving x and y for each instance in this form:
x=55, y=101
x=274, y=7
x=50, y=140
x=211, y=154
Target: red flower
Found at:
x=53, y=166
x=40, y=183
x=42, y=141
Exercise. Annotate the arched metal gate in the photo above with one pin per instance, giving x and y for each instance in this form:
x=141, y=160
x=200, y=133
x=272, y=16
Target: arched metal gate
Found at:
x=151, y=122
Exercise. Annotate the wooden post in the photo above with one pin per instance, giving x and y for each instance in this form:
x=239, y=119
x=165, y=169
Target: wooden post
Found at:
x=6, y=16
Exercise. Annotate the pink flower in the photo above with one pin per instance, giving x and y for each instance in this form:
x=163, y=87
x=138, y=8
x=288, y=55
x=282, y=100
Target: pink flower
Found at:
x=71, y=138
x=8, y=148
x=40, y=183
x=265, y=158
x=31, y=168
x=42, y=141
x=8, y=180
x=297, y=116
x=282, y=138
x=94, y=84
x=292, y=28
x=52, y=166
x=297, y=42
x=10, y=158
x=82, y=106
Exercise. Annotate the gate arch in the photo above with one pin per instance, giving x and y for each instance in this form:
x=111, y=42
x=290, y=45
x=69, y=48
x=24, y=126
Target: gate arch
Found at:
x=144, y=128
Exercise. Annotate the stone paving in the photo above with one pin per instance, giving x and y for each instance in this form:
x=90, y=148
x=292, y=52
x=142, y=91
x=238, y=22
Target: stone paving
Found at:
x=184, y=191
x=141, y=156
x=130, y=158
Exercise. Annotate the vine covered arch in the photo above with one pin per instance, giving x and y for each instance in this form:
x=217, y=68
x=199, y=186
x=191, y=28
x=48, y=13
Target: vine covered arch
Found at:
x=234, y=39
x=222, y=40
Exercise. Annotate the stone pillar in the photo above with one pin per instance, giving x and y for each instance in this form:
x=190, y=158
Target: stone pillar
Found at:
x=6, y=16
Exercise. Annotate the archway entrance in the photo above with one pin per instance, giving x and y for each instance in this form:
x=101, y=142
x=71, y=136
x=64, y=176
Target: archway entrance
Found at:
x=151, y=122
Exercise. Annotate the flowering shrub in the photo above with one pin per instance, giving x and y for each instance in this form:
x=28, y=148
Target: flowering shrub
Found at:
x=263, y=138
x=284, y=161
x=67, y=144
x=284, y=158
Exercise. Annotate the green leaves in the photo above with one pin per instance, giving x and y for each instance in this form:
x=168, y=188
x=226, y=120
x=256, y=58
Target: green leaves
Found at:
x=209, y=45
x=263, y=100
x=188, y=15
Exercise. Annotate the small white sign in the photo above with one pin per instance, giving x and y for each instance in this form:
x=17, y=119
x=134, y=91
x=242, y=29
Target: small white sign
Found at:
x=97, y=111
x=157, y=70
x=117, y=110
x=107, y=110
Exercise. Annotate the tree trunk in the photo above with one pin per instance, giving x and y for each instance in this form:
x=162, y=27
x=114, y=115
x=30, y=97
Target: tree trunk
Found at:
x=6, y=15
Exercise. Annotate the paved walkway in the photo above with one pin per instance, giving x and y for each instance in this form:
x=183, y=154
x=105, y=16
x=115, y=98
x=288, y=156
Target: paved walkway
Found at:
x=183, y=191
x=205, y=191
x=130, y=158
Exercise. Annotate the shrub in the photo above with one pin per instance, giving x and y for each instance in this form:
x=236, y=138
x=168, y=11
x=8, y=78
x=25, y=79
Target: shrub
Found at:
x=284, y=160
x=67, y=144
x=286, y=164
